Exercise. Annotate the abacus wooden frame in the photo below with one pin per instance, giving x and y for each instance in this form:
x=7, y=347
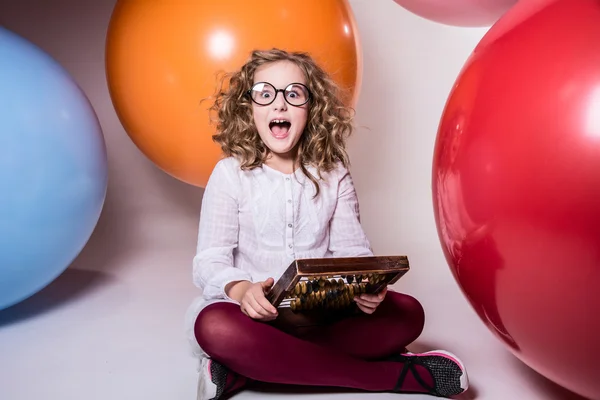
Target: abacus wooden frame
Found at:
x=394, y=267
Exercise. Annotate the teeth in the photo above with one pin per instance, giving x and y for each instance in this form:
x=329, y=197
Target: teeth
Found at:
x=278, y=121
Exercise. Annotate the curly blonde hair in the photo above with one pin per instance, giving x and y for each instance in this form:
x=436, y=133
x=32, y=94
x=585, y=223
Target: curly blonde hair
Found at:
x=329, y=122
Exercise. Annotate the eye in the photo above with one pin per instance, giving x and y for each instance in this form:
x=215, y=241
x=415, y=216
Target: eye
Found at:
x=296, y=92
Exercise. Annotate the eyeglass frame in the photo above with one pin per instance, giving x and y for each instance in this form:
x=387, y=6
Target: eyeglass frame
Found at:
x=308, y=98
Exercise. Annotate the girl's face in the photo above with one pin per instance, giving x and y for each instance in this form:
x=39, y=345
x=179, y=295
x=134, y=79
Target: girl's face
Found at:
x=280, y=124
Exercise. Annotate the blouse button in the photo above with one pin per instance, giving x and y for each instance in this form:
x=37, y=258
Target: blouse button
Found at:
x=289, y=225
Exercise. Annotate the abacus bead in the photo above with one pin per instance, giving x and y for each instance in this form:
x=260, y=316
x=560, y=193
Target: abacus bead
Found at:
x=309, y=288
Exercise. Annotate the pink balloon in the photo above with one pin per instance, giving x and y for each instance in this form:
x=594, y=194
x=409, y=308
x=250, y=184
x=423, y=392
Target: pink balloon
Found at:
x=459, y=12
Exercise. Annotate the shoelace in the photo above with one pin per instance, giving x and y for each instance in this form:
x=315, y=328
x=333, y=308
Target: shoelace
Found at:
x=409, y=365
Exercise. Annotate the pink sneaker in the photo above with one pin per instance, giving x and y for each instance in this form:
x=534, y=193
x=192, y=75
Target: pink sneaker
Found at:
x=448, y=373
x=215, y=380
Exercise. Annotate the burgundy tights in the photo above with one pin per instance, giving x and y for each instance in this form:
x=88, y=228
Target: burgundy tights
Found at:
x=345, y=353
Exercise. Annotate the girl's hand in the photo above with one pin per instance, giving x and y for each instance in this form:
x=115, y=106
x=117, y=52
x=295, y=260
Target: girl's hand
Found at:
x=254, y=303
x=368, y=302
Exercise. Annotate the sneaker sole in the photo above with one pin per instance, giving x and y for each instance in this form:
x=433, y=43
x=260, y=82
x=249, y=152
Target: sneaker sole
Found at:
x=207, y=390
x=464, y=378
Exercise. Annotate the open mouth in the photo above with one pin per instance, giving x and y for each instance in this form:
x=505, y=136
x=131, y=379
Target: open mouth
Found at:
x=280, y=127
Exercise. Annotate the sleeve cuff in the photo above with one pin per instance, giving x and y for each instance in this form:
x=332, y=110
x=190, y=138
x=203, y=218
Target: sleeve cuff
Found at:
x=216, y=288
x=246, y=277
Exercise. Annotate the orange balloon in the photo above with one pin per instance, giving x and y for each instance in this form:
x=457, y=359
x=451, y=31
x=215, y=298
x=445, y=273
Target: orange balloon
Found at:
x=163, y=57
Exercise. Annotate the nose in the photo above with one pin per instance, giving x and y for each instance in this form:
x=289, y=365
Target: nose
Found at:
x=279, y=103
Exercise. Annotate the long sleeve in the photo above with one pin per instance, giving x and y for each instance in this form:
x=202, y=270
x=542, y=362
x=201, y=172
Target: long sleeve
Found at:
x=213, y=266
x=347, y=237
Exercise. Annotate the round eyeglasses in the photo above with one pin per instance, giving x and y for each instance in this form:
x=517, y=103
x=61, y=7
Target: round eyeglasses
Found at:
x=295, y=94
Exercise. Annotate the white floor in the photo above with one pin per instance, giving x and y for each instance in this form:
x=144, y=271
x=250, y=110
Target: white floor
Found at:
x=116, y=333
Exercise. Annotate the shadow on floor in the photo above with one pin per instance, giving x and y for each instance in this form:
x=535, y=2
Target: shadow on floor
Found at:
x=551, y=390
x=68, y=287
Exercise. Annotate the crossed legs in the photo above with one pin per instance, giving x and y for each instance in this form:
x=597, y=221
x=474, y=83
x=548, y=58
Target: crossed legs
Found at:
x=347, y=353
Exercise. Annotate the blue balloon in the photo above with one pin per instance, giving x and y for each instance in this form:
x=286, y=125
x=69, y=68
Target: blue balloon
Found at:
x=53, y=169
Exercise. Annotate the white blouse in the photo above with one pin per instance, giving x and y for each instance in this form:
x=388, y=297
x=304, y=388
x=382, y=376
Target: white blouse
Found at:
x=254, y=223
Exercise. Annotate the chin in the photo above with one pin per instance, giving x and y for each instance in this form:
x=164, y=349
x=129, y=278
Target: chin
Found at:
x=280, y=146
x=280, y=150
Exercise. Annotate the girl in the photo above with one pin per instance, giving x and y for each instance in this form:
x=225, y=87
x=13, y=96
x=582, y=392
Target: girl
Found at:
x=282, y=192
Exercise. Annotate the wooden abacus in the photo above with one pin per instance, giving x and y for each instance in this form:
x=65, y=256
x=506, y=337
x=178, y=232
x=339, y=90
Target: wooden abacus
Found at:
x=320, y=285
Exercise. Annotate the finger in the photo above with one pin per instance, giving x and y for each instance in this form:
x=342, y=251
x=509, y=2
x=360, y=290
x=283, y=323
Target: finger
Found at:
x=256, y=307
x=365, y=309
x=383, y=292
x=375, y=297
x=267, y=283
x=368, y=302
x=249, y=311
x=252, y=301
x=269, y=318
x=264, y=302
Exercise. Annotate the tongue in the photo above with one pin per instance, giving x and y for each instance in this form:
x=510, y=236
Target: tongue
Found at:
x=279, y=130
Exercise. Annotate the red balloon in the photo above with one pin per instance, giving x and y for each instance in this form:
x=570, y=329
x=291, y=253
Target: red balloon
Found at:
x=516, y=186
